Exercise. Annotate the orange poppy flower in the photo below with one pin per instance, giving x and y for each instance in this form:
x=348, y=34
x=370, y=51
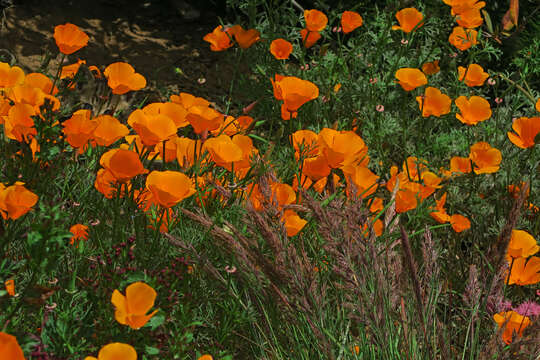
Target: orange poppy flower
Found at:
x=10, y=287
x=474, y=75
x=293, y=222
x=108, y=130
x=122, y=78
x=9, y=347
x=41, y=82
x=185, y=151
x=294, y=92
x=248, y=151
x=405, y=200
x=205, y=357
x=526, y=129
x=69, y=38
x=342, y=148
x=69, y=71
x=281, y=49
x=115, y=351
x=18, y=124
x=245, y=38
x=188, y=100
x=485, y=158
x=350, y=20
x=410, y=78
x=537, y=105
x=105, y=183
x=434, y=102
x=470, y=19
x=204, y=118
x=219, y=39
x=305, y=143
x=169, y=187
x=441, y=216
x=473, y=110
x=459, y=223
x=10, y=76
x=309, y=38
x=462, y=38
x=79, y=232
x=223, y=151
x=123, y=164
x=460, y=165
x=361, y=179
x=315, y=20
x=79, y=129
x=513, y=323
x=131, y=309
x=173, y=110
x=409, y=19
x=461, y=6
x=152, y=129
x=16, y=200
x=522, y=244
x=525, y=271
x=316, y=168
x=431, y=68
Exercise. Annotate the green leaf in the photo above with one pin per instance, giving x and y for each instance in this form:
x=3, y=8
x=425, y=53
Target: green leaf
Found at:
x=151, y=350
x=156, y=321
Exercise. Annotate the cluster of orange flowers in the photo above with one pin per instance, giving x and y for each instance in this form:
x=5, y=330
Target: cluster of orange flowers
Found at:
x=467, y=14
x=524, y=269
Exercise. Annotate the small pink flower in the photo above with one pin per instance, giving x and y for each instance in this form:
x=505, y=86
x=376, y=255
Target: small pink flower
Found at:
x=372, y=80
x=201, y=80
x=230, y=269
x=491, y=81
x=453, y=55
x=325, y=99
x=498, y=100
x=334, y=29
x=404, y=41
x=379, y=108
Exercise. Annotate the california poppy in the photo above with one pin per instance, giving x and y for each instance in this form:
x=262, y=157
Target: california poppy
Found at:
x=305, y=143
x=462, y=38
x=105, y=183
x=219, y=39
x=69, y=38
x=10, y=287
x=470, y=18
x=350, y=20
x=115, y=351
x=131, y=309
x=525, y=271
x=123, y=164
x=204, y=118
x=513, y=323
x=460, y=165
x=293, y=222
x=473, y=110
x=205, y=357
x=173, y=110
x=526, y=130
x=152, y=129
x=316, y=168
x=434, y=102
x=294, y=92
x=440, y=215
x=10, y=76
x=405, y=200
x=474, y=75
x=9, y=347
x=461, y=6
x=19, y=124
x=431, y=68
x=410, y=78
x=42, y=82
x=360, y=179
x=537, y=105
x=281, y=49
x=122, y=78
x=309, y=38
x=315, y=20
x=16, y=200
x=245, y=38
x=522, y=244
x=188, y=100
x=169, y=187
x=409, y=19
x=185, y=151
x=485, y=158
x=108, y=130
x=342, y=148
x=79, y=129
x=79, y=231
x=459, y=223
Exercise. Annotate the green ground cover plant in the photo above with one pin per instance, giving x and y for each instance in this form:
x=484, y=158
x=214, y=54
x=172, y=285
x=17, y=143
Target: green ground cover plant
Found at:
x=366, y=189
